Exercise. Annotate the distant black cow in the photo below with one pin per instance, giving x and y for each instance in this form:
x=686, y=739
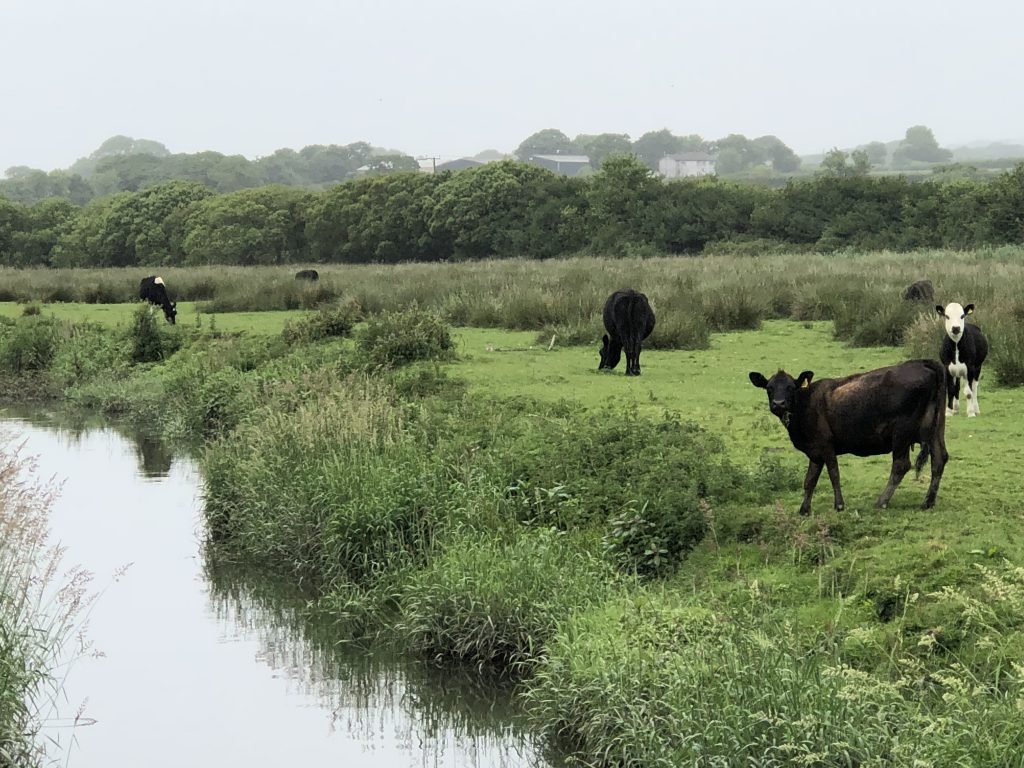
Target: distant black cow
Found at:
x=307, y=274
x=867, y=414
x=153, y=290
x=629, y=320
x=922, y=290
x=964, y=349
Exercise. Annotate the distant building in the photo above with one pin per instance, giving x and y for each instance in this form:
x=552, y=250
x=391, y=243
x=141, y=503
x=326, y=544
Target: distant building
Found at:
x=568, y=165
x=686, y=164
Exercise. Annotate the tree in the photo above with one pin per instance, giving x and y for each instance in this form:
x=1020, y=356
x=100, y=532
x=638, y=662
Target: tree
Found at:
x=600, y=146
x=877, y=152
x=919, y=145
x=834, y=164
x=654, y=145
x=381, y=164
x=266, y=225
x=622, y=195
x=783, y=159
x=549, y=141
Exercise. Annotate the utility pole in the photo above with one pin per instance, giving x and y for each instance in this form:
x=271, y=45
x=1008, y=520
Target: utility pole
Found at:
x=433, y=162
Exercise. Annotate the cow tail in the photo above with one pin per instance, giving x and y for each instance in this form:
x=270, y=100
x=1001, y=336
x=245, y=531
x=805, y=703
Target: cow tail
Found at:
x=938, y=421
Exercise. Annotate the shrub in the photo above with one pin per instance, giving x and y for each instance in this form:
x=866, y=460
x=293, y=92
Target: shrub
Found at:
x=323, y=324
x=146, y=338
x=1006, y=341
x=29, y=345
x=31, y=310
x=396, y=338
x=640, y=480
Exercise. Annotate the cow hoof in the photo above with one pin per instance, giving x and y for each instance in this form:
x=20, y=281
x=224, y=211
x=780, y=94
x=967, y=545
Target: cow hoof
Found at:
x=971, y=415
x=949, y=411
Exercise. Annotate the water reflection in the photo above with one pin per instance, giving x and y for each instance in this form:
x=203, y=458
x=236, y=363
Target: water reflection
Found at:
x=155, y=456
x=218, y=668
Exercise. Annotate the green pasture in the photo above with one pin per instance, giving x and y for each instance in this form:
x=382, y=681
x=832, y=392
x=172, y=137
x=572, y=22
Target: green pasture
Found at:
x=979, y=514
x=114, y=315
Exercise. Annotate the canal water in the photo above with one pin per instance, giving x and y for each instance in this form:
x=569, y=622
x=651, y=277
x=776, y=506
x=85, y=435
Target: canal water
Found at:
x=191, y=668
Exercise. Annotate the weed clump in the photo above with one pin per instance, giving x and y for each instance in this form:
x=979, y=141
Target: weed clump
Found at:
x=392, y=339
x=325, y=323
x=147, y=341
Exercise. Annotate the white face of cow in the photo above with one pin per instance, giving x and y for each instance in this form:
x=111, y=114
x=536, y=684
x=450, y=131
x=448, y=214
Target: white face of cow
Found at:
x=956, y=318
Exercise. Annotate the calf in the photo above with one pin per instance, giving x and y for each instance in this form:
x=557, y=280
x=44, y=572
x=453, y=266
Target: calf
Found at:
x=922, y=290
x=628, y=320
x=867, y=414
x=964, y=349
x=153, y=290
x=307, y=274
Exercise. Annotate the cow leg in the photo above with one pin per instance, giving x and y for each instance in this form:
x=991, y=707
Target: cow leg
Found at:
x=971, y=386
x=939, y=456
x=900, y=467
x=632, y=359
x=833, y=476
x=810, y=482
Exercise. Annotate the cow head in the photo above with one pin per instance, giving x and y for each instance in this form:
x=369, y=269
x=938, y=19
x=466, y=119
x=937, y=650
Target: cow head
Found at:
x=955, y=317
x=782, y=390
x=608, y=358
x=171, y=311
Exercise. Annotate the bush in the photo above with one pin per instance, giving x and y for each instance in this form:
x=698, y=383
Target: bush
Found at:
x=145, y=335
x=29, y=345
x=1006, y=342
x=397, y=338
x=638, y=479
x=329, y=322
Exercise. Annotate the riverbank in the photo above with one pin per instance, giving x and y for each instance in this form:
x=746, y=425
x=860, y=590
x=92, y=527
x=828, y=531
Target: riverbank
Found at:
x=626, y=549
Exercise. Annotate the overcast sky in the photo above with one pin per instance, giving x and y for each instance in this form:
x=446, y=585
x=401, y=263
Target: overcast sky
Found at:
x=453, y=77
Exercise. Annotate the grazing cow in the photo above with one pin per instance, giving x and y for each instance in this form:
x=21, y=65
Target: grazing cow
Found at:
x=922, y=290
x=867, y=414
x=963, y=351
x=307, y=274
x=153, y=290
x=629, y=320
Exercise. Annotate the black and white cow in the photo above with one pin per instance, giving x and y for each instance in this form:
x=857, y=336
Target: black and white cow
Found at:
x=153, y=290
x=867, y=414
x=628, y=320
x=307, y=274
x=964, y=349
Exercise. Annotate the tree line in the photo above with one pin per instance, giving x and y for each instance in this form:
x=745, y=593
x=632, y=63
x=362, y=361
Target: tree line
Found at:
x=508, y=209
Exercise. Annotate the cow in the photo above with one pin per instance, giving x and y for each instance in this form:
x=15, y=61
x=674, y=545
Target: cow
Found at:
x=922, y=290
x=628, y=320
x=153, y=290
x=964, y=349
x=307, y=274
x=882, y=411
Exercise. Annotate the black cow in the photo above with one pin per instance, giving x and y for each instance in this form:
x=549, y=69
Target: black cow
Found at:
x=922, y=290
x=964, y=349
x=307, y=274
x=867, y=414
x=629, y=320
x=153, y=290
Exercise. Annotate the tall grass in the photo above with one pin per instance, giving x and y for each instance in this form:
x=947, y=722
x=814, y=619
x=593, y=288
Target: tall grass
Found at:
x=861, y=291
x=41, y=611
x=733, y=685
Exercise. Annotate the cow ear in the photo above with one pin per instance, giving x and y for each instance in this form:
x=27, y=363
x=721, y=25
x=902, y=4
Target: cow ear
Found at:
x=758, y=379
x=969, y=309
x=804, y=379
x=940, y=309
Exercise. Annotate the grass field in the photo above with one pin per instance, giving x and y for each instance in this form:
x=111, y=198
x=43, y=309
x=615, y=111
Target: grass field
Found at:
x=487, y=503
x=115, y=315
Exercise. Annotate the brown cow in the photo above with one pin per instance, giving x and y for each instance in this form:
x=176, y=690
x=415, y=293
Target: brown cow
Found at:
x=867, y=414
